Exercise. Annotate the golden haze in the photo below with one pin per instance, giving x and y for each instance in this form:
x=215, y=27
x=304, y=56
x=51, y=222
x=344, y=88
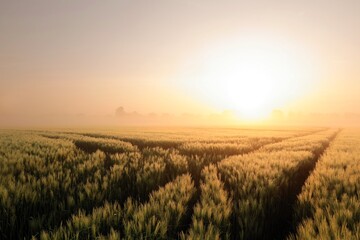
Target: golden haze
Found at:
x=179, y=62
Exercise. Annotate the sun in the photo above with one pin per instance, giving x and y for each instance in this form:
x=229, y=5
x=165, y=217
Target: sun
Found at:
x=251, y=76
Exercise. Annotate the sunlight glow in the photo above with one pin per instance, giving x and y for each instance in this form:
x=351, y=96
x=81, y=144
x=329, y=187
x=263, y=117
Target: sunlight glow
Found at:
x=249, y=76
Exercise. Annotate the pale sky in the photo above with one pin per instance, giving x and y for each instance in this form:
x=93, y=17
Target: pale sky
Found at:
x=90, y=57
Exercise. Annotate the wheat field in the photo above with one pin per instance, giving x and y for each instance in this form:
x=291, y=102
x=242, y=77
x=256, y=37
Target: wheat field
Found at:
x=180, y=184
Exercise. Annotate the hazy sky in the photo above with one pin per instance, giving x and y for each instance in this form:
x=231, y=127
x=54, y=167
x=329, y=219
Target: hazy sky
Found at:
x=89, y=57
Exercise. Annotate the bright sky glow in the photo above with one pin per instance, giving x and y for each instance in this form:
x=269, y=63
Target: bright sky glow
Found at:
x=250, y=75
x=84, y=59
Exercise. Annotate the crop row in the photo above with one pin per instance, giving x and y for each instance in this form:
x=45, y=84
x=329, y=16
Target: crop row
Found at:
x=262, y=184
x=314, y=143
x=92, y=144
x=43, y=181
x=329, y=205
x=159, y=218
x=211, y=217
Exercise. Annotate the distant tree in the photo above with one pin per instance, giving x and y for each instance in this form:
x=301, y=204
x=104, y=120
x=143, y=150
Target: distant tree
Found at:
x=120, y=111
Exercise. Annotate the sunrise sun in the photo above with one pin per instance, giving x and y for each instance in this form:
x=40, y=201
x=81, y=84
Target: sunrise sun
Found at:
x=251, y=76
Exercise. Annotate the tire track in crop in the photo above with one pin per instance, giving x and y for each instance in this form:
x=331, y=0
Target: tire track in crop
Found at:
x=196, y=174
x=194, y=170
x=289, y=221
x=167, y=144
x=138, y=142
x=196, y=178
x=194, y=167
x=282, y=220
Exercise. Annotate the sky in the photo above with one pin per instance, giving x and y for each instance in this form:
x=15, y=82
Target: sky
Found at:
x=76, y=58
